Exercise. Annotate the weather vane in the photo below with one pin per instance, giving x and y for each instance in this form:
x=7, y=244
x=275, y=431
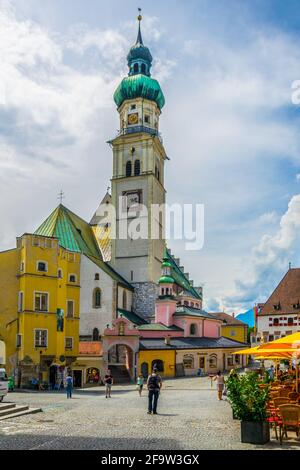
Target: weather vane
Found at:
x=140, y=14
x=61, y=196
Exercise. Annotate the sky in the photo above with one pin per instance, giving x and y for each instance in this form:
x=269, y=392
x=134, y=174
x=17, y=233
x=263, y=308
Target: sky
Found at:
x=230, y=126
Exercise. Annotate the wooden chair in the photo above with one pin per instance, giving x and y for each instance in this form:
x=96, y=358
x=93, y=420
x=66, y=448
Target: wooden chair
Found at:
x=290, y=415
x=284, y=392
x=293, y=397
x=280, y=401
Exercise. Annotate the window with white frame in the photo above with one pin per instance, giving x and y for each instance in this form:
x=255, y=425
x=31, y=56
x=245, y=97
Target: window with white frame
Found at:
x=41, y=338
x=41, y=301
x=72, y=278
x=42, y=266
x=68, y=343
x=70, y=309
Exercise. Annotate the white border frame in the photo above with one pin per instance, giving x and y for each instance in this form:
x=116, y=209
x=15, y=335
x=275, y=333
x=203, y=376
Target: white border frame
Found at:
x=37, y=266
x=48, y=301
x=40, y=347
x=73, y=301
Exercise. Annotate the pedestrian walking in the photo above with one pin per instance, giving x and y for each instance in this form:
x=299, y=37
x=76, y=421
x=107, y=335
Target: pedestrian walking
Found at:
x=140, y=384
x=154, y=384
x=220, y=384
x=108, y=380
x=69, y=383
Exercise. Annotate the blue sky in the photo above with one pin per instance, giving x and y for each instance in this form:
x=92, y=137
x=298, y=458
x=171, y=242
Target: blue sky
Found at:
x=229, y=125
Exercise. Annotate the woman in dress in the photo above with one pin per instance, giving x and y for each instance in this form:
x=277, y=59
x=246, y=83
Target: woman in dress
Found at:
x=220, y=384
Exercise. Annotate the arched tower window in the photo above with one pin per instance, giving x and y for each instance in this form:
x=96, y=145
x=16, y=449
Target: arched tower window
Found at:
x=128, y=169
x=193, y=329
x=136, y=68
x=137, y=168
x=124, y=299
x=97, y=298
x=143, y=69
x=95, y=334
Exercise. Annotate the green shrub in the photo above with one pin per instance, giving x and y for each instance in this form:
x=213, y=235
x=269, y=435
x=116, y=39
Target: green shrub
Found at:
x=247, y=399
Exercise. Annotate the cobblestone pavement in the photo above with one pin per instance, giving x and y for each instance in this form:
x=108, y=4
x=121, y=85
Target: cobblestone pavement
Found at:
x=190, y=417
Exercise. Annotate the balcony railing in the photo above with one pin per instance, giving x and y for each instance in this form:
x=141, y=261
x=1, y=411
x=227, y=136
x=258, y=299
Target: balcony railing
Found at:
x=136, y=129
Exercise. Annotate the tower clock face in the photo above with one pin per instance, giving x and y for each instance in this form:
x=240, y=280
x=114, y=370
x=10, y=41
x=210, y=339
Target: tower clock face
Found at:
x=133, y=118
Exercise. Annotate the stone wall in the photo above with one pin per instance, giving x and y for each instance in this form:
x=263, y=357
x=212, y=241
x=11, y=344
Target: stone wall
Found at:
x=145, y=295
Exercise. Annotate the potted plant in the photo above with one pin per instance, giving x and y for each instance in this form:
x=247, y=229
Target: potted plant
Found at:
x=249, y=405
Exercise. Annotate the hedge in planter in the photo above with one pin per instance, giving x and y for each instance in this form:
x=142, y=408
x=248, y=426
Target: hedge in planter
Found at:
x=249, y=405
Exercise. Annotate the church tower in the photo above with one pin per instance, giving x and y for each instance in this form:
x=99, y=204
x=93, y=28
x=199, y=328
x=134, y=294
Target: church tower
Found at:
x=138, y=177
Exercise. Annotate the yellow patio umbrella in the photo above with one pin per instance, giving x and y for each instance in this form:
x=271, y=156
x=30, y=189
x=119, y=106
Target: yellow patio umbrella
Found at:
x=290, y=341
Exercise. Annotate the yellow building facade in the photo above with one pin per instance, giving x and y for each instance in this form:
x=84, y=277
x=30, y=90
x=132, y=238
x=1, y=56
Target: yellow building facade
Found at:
x=39, y=315
x=148, y=358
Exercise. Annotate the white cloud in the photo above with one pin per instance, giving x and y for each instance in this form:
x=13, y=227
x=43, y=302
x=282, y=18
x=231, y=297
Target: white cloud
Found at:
x=269, y=261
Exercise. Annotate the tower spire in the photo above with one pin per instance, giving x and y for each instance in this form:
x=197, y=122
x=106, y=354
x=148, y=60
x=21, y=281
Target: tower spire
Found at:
x=139, y=40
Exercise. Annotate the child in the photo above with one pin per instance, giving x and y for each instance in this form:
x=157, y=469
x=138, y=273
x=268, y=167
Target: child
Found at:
x=140, y=384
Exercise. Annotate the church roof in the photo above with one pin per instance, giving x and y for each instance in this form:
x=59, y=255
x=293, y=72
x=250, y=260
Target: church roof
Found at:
x=193, y=312
x=139, y=86
x=73, y=233
x=132, y=317
x=180, y=278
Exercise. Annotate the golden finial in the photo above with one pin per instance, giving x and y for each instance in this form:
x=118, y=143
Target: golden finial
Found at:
x=140, y=15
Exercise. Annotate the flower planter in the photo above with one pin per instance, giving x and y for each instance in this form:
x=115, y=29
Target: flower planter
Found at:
x=255, y=432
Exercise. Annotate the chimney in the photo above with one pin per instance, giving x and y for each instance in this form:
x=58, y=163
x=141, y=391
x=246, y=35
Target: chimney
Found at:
x=177, y=261
x=233, y=315
x=167, y=341
x=187, y=275
x=181, y=269
x=192, y=283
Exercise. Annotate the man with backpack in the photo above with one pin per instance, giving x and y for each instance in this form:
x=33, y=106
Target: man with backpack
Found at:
x=154, y=384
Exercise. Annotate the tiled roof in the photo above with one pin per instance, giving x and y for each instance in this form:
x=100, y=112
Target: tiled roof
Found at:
x=159, y=327
x=286, y=294
x=132, y=317
x=228, y=319
x=191, y=343
x=111, y=272
x=181, y=279
x=73, y=233
x=195, y=312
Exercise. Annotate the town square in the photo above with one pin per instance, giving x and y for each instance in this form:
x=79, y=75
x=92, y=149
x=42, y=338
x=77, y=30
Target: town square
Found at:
x=149, y=261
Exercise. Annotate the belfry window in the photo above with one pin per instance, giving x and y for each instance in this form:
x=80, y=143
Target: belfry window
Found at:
x=128, y=169
x=137, y=168
x=143, y=69
x=97, y=298
x=136, y=68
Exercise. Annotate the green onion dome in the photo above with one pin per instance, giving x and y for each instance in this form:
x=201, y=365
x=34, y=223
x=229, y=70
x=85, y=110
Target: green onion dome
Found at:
x=166, y=264
x=166, y=280
x=139, y=86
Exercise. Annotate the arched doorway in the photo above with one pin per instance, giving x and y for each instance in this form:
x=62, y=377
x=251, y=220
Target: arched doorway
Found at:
x=159, y=365
x=121, y=363
x=145, y=370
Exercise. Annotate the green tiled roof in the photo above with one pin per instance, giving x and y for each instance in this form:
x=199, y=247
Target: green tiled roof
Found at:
x=192, y=312
x=131, y=316
x=159, y=327
x=180, y=278
x=73, y=233
x=111, y=272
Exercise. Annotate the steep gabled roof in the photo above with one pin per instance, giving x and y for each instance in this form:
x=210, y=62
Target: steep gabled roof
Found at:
x=73, y=233
x=180, y=278
x=287, y=293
